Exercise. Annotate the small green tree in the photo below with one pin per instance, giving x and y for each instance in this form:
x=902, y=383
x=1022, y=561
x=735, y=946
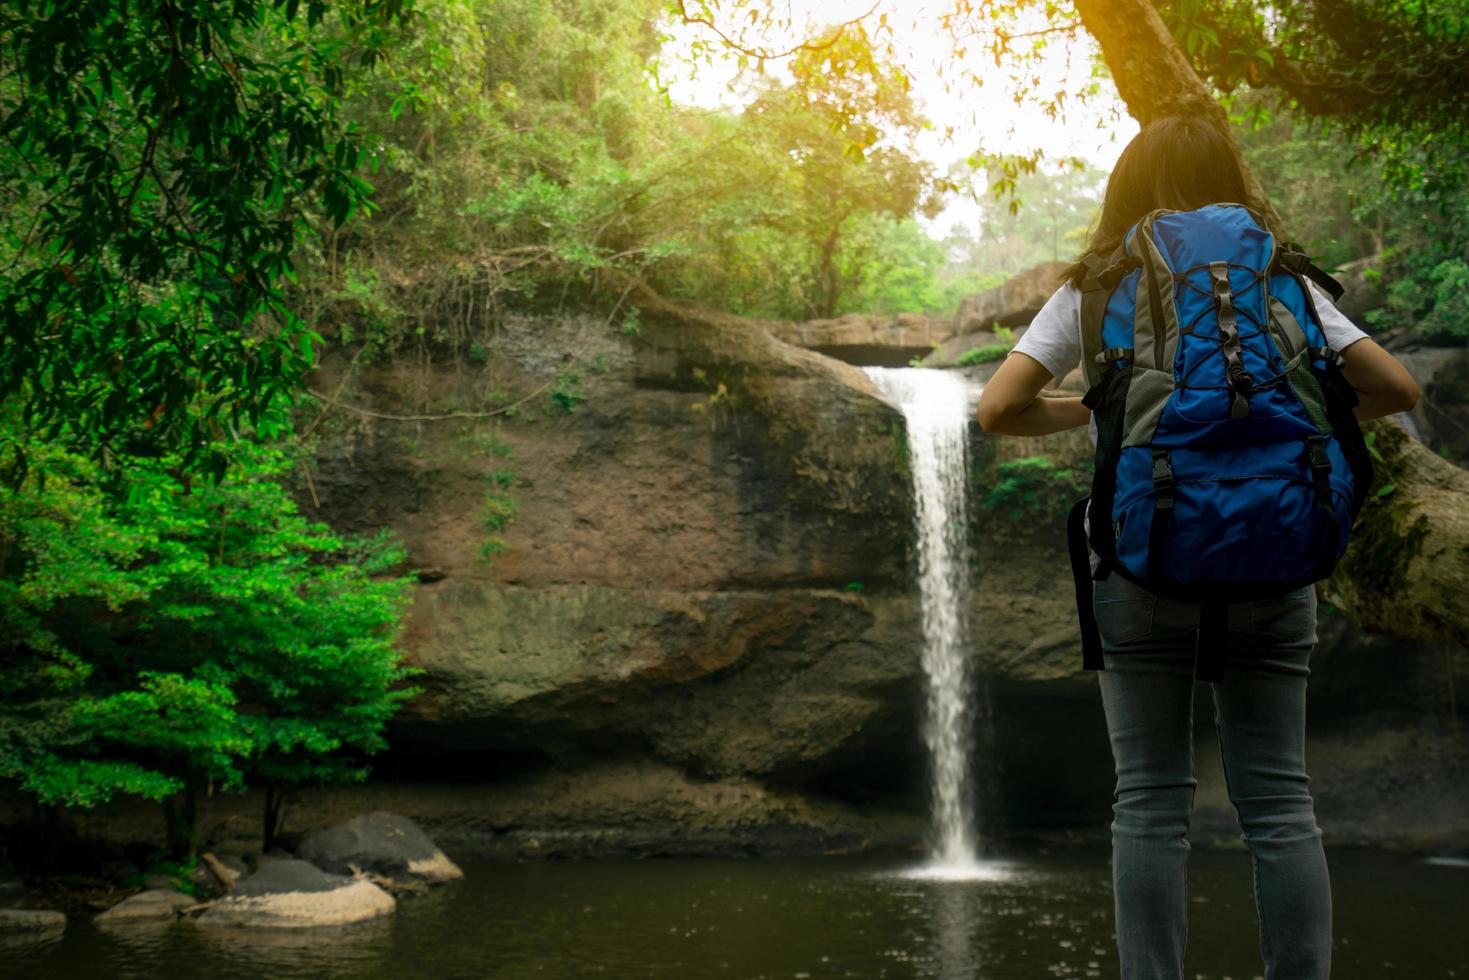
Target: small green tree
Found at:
x=176, y=640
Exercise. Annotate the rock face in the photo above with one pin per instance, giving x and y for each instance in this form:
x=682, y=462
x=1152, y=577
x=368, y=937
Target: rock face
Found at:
x=897, y=340
x=153, y=905
x=294, y=895
x=724, y=513
x=704, y=600
x=885, y=341
x=1013, y=303
x=1364, y=291
x=1440, y=420
x=386, y=844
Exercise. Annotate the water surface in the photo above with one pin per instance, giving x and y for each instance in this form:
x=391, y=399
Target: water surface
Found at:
x=790, y=918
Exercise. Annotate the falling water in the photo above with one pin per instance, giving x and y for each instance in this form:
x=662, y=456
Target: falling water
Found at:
x=936, y=406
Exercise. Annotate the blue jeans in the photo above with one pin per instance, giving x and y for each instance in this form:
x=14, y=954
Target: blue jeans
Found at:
x=1260, y=712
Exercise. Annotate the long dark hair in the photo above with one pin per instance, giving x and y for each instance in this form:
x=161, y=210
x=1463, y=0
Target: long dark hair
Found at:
x=1178, y=162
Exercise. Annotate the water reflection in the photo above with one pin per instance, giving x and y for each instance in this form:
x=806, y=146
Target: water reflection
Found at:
x=954, y=914
x=1038, y=916
x=277, y=950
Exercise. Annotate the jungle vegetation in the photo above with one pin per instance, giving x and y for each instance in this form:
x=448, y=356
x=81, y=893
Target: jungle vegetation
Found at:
x=200, y=194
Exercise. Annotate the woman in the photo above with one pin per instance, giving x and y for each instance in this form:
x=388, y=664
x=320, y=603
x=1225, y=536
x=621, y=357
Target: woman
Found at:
x=1148, y=640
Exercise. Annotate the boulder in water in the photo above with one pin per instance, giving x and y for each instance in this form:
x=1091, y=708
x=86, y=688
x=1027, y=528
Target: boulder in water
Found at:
x=31, y=920
x=296, y=894
x=152, y=905
x=387, y=845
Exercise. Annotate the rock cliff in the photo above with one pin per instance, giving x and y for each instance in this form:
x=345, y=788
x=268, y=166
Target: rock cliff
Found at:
x=699, y=570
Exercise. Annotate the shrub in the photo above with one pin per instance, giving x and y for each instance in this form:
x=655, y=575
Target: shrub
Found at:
x=984, y=354
x=1034, y=491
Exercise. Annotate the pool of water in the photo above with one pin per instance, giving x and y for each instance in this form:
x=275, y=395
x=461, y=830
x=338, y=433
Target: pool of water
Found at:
x=1048, y=914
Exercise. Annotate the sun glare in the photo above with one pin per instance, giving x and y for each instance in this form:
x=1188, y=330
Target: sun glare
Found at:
x=991, y=116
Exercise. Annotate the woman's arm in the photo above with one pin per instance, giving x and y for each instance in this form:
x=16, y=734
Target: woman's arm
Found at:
x=1383, y=385
x=1010, y=403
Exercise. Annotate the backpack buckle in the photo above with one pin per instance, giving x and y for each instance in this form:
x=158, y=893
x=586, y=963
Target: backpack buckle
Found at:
x=1320, y=461
x=1112, y=275
x=1292, y=257
x=1163, y=478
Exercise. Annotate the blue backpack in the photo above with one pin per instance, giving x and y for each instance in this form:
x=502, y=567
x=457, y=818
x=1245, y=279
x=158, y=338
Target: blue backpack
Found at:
x=1229, y=465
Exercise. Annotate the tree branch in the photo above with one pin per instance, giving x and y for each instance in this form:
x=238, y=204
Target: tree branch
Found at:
x=730, y=42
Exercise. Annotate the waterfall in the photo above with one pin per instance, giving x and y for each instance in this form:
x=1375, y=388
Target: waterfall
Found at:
x=936, y=407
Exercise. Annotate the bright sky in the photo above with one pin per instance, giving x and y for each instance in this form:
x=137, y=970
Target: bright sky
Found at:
x=984, y=117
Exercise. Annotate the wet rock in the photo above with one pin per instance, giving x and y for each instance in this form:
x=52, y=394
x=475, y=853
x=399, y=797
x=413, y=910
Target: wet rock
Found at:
x=386, y=845
x=152, y=905
x=297, y=894
x=31, y=920
x=642, y=809
x=1440, y=420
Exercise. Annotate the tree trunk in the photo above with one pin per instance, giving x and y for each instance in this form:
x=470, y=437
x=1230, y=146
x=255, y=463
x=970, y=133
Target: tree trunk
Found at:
x=1406, y=572
x=180, y=816
x=1154, y=77
x=273, y=818
x=826, y=274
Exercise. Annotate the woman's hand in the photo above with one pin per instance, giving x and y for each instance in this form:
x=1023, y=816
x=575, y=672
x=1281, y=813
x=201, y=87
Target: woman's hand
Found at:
x=1011, y=405
x=1383, y=385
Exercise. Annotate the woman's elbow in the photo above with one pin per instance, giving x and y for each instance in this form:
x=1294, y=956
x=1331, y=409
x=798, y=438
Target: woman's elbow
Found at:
x=987, y=415
x=1406, y=392
x=992, y=414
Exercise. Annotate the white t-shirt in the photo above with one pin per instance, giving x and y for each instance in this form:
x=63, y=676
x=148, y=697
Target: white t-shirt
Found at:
x=1054, y=336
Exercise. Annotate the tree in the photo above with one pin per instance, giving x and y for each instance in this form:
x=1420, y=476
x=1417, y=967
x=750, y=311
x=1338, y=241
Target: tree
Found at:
x=842, y=134
x=168, y=642
x=159, y=163
x=1033, y=217
x=1377, y=66
x=528, y=153
x=1407, y=570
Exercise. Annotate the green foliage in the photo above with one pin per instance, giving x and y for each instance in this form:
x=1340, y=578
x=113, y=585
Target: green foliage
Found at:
x=985, y=353
x=179, y=872
x=1389, y=71
x=184, y=636
x=1328, y=192
x=525, y=155
x=159, y=164
x=1403, y=208
x=566, y=393
x=501, y=506
x=1435, y=301
x=500, y=510
x=1033, y=492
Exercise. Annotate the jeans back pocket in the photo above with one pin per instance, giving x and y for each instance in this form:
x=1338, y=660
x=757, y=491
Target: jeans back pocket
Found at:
x=1289, y=619
x=1124, y=610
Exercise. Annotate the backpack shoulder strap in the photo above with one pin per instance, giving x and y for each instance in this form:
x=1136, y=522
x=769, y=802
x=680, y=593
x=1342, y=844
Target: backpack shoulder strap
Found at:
x=1103, y=273
x=1293, y=258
